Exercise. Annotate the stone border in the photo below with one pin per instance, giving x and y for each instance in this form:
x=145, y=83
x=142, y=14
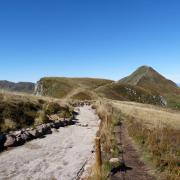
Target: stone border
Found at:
x=18, y=138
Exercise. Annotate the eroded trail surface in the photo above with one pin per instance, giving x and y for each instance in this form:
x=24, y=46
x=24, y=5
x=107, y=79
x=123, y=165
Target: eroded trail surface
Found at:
x=57, y=156
x=134, y=168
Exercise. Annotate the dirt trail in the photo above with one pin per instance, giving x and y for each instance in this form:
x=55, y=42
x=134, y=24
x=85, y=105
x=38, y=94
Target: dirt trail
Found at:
x=58, y=156
x=134, y=168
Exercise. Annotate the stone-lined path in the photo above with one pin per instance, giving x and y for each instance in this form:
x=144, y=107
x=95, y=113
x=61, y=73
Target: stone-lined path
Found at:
x=57, y=156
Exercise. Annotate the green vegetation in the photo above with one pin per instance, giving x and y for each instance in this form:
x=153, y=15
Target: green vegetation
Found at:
x=145, y=85
x=125, y=92
x=157, y=134
x=161, y=144
x=149, y=79
x=62, y=87
x=20, y=111
x=151, y=127
x=110, y=117
x=82, y=96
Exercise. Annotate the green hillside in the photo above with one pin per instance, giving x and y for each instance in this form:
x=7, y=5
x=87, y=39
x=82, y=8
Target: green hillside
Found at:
x=61, y=87
x=126, y=92
x=149, y=79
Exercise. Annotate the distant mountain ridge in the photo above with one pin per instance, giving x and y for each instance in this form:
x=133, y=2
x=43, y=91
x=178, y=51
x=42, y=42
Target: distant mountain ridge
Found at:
x=25, y=87
x=145, y=85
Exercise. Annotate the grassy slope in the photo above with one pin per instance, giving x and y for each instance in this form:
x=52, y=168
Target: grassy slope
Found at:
x=63, y=87
x=125, y=92
x=149, y=114
x=19, y=111
x=148, y=78
x=157, y=133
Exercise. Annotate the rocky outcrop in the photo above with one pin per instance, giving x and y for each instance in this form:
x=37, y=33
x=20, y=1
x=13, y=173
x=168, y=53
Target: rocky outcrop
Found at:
x=38, y=89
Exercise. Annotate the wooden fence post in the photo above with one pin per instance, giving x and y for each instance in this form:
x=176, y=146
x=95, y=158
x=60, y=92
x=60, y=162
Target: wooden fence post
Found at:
x=98, y=155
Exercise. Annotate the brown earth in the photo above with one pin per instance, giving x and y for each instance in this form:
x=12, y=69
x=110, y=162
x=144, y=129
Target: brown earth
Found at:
x=133, y=168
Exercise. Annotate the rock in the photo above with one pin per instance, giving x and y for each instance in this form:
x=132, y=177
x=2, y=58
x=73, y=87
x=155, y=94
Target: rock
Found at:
x=71, y=122
x=20, y=141
x=44, y=129
x=2, y=141
x=65, y=123
x=114, y=161
x=16, y=133
x=26, y=136
x=10, y=141
x=48, y=125
x=58, y=124
x=35, y=133
x=83, y=125
x=40, y=130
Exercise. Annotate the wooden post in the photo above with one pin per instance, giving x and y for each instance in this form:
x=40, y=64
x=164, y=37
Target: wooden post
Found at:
x=98, y=155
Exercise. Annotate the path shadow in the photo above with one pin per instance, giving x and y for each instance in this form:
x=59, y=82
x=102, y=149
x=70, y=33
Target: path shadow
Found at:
x=120, y=168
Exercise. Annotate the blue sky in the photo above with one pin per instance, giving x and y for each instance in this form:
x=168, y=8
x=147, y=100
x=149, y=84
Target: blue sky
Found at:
x=88, y=38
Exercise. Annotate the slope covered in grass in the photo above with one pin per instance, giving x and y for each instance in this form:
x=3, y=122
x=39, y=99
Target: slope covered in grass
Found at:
x=60, y=87
x=157, y=134
x=20, y=111
x=126, y=92
x=150, y=79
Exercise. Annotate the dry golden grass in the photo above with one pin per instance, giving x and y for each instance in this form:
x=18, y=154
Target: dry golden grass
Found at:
x=19, y=110
x=150, y=115
x=110, y=117
x=61, y=87
x=157, y=132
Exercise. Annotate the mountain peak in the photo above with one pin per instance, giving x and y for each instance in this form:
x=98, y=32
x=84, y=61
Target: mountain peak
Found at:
x=145, y=69
x=147, y=77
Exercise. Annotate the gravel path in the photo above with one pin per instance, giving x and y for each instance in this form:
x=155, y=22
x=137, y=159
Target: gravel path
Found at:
x=58, y=156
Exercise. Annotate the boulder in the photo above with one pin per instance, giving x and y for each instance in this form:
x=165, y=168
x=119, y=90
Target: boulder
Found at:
x=114, y=161
x=10, y=140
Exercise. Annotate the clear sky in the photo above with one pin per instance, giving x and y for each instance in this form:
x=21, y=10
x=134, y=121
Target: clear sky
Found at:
x=88, y=38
